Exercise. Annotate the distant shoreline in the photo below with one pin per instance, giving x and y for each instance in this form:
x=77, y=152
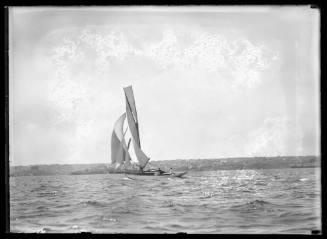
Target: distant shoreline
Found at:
x=177, y=165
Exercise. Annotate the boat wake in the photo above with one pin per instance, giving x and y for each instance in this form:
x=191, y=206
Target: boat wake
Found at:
x=129, y=178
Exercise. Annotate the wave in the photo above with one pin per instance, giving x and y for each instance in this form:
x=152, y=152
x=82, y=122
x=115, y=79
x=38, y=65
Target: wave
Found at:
x=110, y=219
x=168, y=203
x=298, y=215
x=253, y=205
x=63, y=205
x=78, y=229
x=208, y=194
x=174, y=225
x=303, y=179
x=260, y=204
x=43, y=230
x=259, y=183
x=75, y=227
x=39, y=188
x=155, y=228
x=114, y=205
x=128, y=178
x=92, y=203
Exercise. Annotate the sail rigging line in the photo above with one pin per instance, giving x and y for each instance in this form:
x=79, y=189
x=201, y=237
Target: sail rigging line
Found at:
x=125, y=131
x=137, y=127
x=129, y=142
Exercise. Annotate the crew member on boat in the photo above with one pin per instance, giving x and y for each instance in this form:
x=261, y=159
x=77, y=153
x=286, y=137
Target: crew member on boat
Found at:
x=141, y=170
x=160, y=171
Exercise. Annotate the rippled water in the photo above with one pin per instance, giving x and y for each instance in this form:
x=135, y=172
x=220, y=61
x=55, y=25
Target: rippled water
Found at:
x=233, y=201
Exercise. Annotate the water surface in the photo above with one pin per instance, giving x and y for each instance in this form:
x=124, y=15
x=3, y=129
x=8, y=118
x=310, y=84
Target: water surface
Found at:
x=231, y=201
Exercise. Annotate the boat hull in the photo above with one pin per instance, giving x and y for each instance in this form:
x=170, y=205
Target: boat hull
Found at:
x=149, y=173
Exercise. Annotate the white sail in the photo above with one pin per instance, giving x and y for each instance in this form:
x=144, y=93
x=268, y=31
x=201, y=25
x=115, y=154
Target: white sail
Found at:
x=119, y=151
x=130, y=98
x=118, y=127
x=133, y=126
x=140, y=155
x=116, y=138
x=127, y=162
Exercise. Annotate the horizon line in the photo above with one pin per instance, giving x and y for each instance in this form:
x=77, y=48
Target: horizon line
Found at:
x=173, y=159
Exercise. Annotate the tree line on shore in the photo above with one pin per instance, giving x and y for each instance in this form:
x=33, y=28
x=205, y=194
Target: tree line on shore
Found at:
x=176, y=165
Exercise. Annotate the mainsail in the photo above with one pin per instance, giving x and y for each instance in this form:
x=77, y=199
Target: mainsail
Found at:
x=130, y=98
x=133, y=126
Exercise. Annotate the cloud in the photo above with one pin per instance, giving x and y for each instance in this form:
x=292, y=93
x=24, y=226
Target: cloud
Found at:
x=242, y=60
x=81, y=61
x=273, y=138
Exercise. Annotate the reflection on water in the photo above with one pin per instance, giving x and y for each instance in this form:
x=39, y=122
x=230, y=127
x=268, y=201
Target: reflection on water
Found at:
x=233, y=201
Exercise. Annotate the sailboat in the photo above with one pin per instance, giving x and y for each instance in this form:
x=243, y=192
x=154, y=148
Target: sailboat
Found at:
x=120, y=157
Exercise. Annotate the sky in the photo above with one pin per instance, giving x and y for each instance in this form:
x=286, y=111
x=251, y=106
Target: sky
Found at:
x=209, y=82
